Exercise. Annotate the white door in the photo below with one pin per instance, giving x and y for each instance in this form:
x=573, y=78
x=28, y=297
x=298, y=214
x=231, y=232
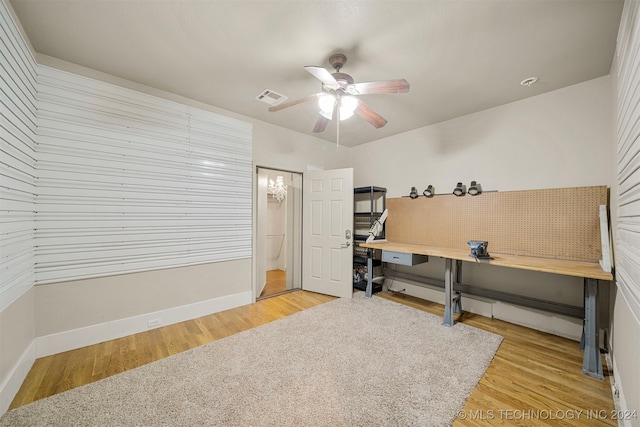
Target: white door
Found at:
x=327, y=255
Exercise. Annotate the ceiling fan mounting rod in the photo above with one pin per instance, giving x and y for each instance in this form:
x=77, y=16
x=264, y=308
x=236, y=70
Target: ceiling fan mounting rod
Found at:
x=337, y=60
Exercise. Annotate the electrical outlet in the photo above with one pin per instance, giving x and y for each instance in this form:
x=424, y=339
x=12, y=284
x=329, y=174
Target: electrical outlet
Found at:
x=153, y=323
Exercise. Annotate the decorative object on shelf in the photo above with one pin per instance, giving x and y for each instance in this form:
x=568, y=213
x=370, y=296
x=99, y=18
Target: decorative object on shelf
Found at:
x=474, y=189
x=459, y=190
x=277, y=190
x=429, y=191
x=414, y=193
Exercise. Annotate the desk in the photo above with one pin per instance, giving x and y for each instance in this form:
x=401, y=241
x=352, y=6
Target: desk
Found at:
x=592, y=273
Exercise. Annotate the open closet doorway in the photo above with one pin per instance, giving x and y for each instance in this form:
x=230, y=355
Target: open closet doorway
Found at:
x=279, y=232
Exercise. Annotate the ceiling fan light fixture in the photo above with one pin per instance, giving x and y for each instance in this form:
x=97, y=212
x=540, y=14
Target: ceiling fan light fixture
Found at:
x=345, y=114
x=327, y=115
x=326, y=103
x=348, y=105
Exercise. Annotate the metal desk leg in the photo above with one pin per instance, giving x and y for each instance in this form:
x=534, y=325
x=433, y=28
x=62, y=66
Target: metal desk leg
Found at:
x=457, y=297
x=369, y=292
x=448, y=293
x=591, y=360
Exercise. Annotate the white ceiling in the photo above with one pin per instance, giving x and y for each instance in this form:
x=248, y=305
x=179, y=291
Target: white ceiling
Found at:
x=458, y=56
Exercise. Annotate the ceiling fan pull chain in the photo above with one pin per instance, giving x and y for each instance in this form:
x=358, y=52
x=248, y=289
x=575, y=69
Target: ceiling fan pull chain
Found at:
x=338, y=129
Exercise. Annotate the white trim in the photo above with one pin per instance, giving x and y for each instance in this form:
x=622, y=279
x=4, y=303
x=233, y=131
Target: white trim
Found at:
x=89, y=335
x=13, y=381
x=619, y=400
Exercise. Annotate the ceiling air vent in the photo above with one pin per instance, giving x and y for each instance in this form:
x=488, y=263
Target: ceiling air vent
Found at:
x=270, y=97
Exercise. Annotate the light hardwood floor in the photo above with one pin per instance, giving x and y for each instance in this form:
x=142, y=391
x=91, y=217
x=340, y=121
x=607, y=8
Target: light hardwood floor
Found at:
x=276, y=283
x=534, y=379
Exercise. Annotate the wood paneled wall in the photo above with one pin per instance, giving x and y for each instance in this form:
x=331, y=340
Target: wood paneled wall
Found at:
x=628, y=157
x=130, y=182
x=18, y=125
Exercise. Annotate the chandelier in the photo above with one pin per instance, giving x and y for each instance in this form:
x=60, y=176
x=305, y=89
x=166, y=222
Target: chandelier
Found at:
x=277, y=190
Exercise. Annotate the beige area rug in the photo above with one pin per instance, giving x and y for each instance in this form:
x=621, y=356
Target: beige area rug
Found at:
x=358, y=362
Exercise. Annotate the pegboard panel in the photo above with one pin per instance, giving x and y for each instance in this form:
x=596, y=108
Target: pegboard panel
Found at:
x=559, y=223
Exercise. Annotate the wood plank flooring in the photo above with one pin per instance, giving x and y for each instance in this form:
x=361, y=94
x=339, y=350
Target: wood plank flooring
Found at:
x=53, y=374
x=534, y=379
x=276, y=283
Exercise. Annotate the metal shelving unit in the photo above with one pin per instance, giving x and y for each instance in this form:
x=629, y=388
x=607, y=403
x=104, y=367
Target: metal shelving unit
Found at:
x=369, y=204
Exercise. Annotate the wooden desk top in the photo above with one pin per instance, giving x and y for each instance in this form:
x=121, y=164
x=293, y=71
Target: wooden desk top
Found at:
x=557, y=266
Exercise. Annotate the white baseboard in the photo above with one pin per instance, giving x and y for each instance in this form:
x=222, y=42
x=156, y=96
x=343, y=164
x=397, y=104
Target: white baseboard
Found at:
x=12, y=382
x=94, y=334
x=618, y=395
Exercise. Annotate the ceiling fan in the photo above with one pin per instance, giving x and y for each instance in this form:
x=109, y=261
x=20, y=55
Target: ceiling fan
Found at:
x=338, y=95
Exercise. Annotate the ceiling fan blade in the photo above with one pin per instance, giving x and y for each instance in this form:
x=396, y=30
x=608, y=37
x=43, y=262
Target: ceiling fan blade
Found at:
x=324, y=76
x=321, y=124
x=294, y=102
x=364, y=111
x=382, y=86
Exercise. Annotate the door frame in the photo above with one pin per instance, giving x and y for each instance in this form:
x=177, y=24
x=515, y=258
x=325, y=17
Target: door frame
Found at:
x=296, y=258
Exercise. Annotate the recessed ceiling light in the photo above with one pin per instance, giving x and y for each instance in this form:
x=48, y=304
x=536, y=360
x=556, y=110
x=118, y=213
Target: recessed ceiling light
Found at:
x=530, y=81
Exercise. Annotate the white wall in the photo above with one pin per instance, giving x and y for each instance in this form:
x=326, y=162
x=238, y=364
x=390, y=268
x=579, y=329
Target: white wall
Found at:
x=17, y=345
x=17, y=205
x=65, y=306
x=558, y=139
x=83, y=312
